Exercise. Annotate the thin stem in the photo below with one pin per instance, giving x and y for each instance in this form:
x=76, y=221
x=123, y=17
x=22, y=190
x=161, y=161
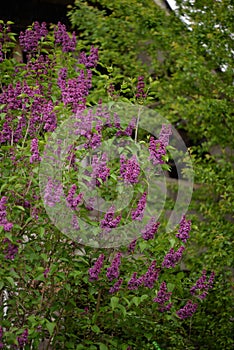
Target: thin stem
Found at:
x=137, y=124
x=98, y=300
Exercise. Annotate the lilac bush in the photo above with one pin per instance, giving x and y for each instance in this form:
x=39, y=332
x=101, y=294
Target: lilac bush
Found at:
x=56, y=289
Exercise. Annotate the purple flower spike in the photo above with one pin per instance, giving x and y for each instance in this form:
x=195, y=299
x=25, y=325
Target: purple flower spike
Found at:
x=185, y=228
x=187, y=311
x=140, y=88
x=202, y=285
x=95, y=270
x=157, y=148
x=172, y=257
x=35, y=157
x=109, y=221
x=100, y=170
x=162, y=298
x=138, y=213
x=134, y=282
x=113, y=270
x=132, y=246
x=129, y=169
x=61, y=37
x=3, y=215
x=30, y=38
x=151, y=275
x=150, y=229
x=116, y=286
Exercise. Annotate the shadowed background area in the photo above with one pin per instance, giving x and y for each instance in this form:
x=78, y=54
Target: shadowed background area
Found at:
x=23, y=13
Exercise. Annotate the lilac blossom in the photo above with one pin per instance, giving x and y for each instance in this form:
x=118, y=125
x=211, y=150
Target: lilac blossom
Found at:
x=91, y=60
x=150, y=229
x=11, y=249
x=30, y=38
x=53, y=192
x=157, y=148
x=134, y=282
x=188, y=310
x=138, y=213
x=184, y=229
x=7, y=226
x=61, y=37
x=129, y=169
x=109, y=220
x=203, y=285
x=95, y=270
x=140, y=88
x=35, y=157
x=132, y=246
x=113, y=270
x=73, y=201
x=151, y=275
x=75, y=223
x=100, y=170
x=162, y=298
x=172, y=257
x=75, y=90
x=116, y=286
x=23, y=339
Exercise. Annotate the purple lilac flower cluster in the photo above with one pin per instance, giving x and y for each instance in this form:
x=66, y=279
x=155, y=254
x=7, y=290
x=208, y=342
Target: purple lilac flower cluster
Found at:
x=132, y=246
x=3, y=215
x=91, y=60
x=184, y=229
x=30, y=38
x=75, y=223
x=202, y=285
x=134, y=282
x=157, y=148
x=53, y=192
x=11, y=250
x=73, y=201
x=116, y=286
x=162, y=298
x=188, y=310
x=23, y=339
x=35, y=157
x=109, y=221
x=100, y=170
x=140, y=88
x=26, y=99
x=129, y=169
x=75, y=90
x=61, y=37
x=150, y=229
x=172, y=257
x=138, y=213
x=151, y=275
x=113, y=270
x=95, y=270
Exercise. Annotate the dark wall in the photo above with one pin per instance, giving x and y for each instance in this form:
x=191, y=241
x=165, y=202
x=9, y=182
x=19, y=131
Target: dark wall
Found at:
x=24, y=12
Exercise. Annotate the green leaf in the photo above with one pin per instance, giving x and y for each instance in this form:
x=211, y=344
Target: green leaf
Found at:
x=95, y=329
x=114, y=302
x=11, y=281
x=50, y=327
x=103, y=346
